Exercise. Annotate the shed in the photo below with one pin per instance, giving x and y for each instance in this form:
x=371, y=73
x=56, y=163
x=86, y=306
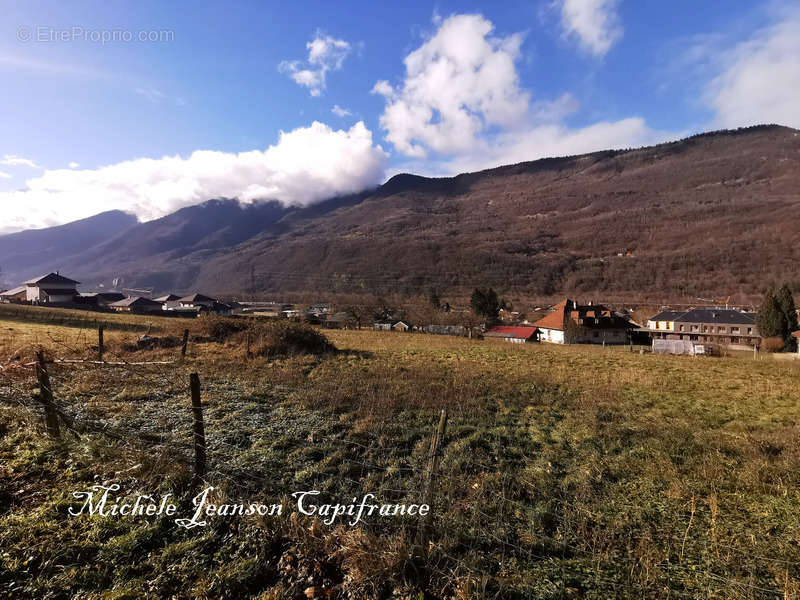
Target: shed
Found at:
x=514, y=334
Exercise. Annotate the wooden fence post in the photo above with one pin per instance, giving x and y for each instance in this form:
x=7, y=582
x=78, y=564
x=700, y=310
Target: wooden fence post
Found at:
x=46, y=396
x=100, y=347
x=199, y=432
x=433, y=458
x=185, y=342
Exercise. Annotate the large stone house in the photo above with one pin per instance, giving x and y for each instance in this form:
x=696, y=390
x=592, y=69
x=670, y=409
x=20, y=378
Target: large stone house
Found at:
x=573, y=323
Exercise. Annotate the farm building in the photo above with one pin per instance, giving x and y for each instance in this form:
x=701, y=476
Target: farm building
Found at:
x=711, y=325
x=16, y=295
x=340, y=320
x=573, y=323
x=137, y=304
x=51, y=289
x=404, y=326
x=514, y=335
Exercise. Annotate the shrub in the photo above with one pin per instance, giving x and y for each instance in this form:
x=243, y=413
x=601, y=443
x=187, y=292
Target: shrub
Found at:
x=219, y=328
x=772, y=344
x=286, y=338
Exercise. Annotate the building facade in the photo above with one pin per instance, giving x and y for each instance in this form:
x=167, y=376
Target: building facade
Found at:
x=726, y=327
x=572, y=323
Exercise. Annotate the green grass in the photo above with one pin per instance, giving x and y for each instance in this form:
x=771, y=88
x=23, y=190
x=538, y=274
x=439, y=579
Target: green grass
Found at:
x=566, y=472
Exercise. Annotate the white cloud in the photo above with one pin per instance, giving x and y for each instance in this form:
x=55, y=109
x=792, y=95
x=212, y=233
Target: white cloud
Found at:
x=340, y=112
x=462, y=100
x=305, y=166
x=325, y=54
x=153, y=95
x=458, y=83
x=594, y=23
x=759, y=79
x=383, y=88
x=12, y=160
x=4, y=175
x=556, y=139
x=73, y=165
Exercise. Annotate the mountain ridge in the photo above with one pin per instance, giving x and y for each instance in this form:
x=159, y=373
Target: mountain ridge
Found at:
x=537, y=228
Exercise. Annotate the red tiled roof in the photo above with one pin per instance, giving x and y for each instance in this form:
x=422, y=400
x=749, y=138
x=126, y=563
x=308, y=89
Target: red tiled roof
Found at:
x=555, y=320
x=512, y=331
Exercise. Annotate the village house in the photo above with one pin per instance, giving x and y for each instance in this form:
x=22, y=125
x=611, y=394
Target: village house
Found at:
x=573, y=323
x=722, y=326
x=196, y=301
x=404, y=326
x=52, y=288
x=137, y=304
x=17, y=295
x=169, y=301
x=514, y=335
x=99, y=299
x=340, y=320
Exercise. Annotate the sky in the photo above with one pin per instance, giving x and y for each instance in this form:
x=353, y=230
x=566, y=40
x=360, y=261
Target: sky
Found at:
x=151, y=106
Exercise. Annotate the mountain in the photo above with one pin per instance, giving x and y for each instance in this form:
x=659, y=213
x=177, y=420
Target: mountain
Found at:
x=29, y=253
x=711, y=215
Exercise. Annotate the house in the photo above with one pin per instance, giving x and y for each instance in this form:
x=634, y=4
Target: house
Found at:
x=16, y=295
x=137, y=304
x=339, y=320
x=168, y=301
x=514, y=335
x=573, y=323
x=52, y=288
x=197, y=301
x=722, y=326
x=663, y=321
x=382, y=326
x=404, y=326
x=99, y=299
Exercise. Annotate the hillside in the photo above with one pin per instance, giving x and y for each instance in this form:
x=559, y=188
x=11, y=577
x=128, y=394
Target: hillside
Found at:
x=33, y=252
x=710, y=215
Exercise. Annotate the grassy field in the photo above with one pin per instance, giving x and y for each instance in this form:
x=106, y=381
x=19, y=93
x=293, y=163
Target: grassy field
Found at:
x=566, y=472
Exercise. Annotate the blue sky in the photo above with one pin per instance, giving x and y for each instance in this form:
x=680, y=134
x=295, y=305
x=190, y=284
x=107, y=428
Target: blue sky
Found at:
x=87, y=123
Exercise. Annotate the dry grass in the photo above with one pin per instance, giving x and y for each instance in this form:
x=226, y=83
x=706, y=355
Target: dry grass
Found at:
x=566, y=471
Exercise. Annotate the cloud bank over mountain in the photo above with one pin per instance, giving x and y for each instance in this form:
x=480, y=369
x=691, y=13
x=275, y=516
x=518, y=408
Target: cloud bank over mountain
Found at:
x=305, y=166
x=461, y=106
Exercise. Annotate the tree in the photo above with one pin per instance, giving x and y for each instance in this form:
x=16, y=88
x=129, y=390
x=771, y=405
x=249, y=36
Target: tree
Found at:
x=484, y=302
x=777, y=316
x=788, y=310
x=436, y=302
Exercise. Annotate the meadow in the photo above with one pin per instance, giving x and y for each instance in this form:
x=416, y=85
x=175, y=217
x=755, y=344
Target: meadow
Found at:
x=565, y=472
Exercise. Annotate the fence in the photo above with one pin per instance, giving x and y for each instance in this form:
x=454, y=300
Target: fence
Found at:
x=483, y=484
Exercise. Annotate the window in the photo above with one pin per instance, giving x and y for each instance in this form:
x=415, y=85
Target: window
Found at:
x=722, y=330
x=749, y=330
x=695, y=327
x=734, y=330
x=681, y=328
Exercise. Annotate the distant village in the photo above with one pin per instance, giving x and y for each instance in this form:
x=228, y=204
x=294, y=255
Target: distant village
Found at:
x=699, y=330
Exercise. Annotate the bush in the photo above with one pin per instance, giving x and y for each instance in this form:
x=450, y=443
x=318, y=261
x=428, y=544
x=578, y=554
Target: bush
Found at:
x=773, y=344
x=219, y=328
x=286, y=338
